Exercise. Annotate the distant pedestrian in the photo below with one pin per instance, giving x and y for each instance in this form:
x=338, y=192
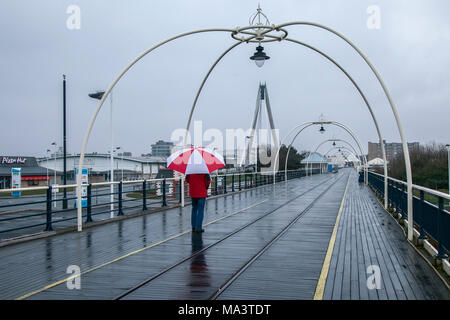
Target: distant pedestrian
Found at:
x=198, y=186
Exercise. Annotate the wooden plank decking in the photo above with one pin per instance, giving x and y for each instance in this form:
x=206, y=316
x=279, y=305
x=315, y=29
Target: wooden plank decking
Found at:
x=117, y=256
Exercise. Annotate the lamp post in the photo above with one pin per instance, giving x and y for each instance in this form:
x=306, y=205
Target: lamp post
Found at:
x=98, y=95
x=64, y=145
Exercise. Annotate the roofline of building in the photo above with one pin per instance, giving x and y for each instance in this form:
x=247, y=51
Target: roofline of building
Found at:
x=105, y=156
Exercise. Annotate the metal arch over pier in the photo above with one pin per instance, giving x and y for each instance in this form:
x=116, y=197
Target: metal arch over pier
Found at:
x=261, y=33
x=351, y=147
x=305, y=125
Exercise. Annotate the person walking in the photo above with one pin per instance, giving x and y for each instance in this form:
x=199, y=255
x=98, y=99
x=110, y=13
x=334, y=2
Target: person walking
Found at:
x=198, y=186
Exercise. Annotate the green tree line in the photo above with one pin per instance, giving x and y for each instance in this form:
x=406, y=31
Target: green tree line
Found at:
x=429, y=164
x=294, y=161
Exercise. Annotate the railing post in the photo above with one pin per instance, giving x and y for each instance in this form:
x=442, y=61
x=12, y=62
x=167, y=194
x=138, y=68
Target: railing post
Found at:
x=390, y=193
x=232, y=182
x=441, y=251
x=89, y=204
x=402, y=200
x=239, y=186
x=215, y=186
x=422, y=235
x=144, y=195
x=182, y=192
x=164, y=200
x=48, y=226
x=120, y=199
x=224, y=182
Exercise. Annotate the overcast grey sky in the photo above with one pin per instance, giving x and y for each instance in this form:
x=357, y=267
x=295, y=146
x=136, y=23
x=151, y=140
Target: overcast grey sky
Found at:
x=411, y=51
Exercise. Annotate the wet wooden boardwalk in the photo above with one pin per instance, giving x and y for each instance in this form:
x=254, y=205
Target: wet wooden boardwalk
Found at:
x=265, y=243
x=368, y=236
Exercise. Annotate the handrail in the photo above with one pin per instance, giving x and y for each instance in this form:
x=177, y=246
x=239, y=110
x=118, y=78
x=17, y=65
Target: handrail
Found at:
x=417, y=187
x=108, y=183
x=149, y=193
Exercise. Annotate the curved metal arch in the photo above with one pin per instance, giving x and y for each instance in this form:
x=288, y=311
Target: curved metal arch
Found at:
x=340, y=140
x=277, y=28
x=380, y=138
x=201, y=87
x=343, y=148
x=394, y=111
x=308, y=124
x=108, y=91
x=351, y=146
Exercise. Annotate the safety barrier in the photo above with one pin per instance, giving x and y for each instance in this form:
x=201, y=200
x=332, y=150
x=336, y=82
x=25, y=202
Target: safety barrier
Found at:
x=430, y=215
x=46, y=210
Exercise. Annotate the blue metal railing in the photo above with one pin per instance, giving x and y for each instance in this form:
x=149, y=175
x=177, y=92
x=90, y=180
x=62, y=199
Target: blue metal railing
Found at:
x=432, y=220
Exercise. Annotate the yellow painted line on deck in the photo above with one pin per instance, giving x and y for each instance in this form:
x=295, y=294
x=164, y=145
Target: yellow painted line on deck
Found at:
x=318, y=295
x=54, y=284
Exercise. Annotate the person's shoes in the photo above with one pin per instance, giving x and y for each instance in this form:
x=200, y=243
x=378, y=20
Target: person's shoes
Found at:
x=199, y=230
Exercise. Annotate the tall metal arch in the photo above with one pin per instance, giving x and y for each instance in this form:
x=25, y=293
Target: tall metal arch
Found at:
x=380, y=138
x=308, y=124
x=258, y=35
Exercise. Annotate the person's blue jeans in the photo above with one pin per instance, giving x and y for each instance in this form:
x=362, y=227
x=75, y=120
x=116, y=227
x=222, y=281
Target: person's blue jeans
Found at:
x=198, y=209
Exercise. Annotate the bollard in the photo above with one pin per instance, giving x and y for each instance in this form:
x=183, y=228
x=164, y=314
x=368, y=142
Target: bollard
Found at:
x=232, y=182
x=164, y=200
x=441, y=251
x=89, y=204
x=120, y=199
x=239, y=185
x=144, y=195
x=48, y=226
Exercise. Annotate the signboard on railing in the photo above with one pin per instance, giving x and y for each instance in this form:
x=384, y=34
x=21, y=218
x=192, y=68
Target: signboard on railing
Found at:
x=169, y=188
x=16, y=174
x=84, y=182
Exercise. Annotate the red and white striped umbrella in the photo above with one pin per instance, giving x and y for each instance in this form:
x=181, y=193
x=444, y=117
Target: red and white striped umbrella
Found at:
x=195, y=161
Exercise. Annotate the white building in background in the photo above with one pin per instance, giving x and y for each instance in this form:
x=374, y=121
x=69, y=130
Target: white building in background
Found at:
x=99, y=166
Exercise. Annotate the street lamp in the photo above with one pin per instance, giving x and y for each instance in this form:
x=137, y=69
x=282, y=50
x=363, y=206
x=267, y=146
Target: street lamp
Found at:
x=322, y=129
x=259, y=56
x=98, y=95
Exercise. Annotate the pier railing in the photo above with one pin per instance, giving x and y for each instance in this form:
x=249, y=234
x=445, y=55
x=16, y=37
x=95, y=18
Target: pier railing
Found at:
x=431, y=217
x=43, y=211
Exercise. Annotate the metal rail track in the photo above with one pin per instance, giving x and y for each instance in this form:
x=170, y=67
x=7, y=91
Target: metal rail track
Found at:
x=224, y=286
